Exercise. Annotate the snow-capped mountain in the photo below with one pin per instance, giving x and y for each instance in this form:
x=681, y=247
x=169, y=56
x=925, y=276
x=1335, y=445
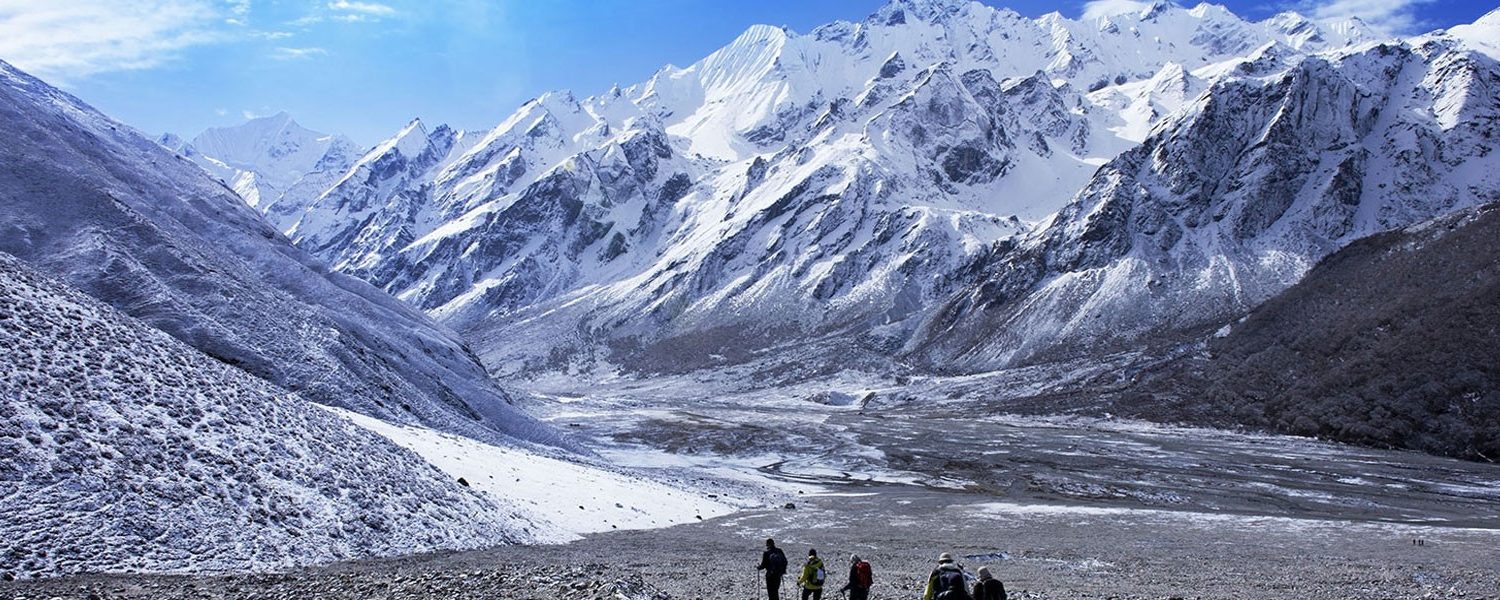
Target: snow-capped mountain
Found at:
x=126, y=449
x=385, y=192
x=90, y=201
x=1235, y=198
x=276, y=165
x=783, y=188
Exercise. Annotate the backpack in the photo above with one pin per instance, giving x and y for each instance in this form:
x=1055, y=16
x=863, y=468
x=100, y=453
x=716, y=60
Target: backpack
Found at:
x=862, y=577
x=990, y=589
x=818, y=575
x=951, y=585
x=777, y=564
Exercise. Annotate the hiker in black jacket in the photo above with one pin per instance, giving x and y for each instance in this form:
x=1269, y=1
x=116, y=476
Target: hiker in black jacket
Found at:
x=948, y=581
x=859, y=579
x=773, y=562
x=988, y=588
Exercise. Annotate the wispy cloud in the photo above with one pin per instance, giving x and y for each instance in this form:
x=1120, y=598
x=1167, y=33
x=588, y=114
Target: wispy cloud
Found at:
x=285, y=53
x=239, y=12
x=61, y=41
x=1390, y=16
x=1094, y=9
x=353, y=11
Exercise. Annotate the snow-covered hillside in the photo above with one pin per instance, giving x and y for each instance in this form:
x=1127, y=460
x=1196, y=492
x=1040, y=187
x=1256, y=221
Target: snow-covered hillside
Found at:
x=125, y=449
x=90, y=201
x=276, y=165
x=1234, y=199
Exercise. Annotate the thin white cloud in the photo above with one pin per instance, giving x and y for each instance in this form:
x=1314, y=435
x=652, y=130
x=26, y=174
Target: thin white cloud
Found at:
x=1097, y=9
x=350, y=10
x=61, y=41
x=239, y=12
x=285, y=53
x=1390, y=16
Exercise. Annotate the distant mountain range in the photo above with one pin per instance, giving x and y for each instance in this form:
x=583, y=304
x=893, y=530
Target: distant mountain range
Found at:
x=943, y=185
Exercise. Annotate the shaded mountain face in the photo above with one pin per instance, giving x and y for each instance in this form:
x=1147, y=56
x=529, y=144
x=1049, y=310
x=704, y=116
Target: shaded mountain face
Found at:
x=90, y=201
x=1392, y=341
x=125, y=449
x=785, y=188
x=1233, y=200
x=276, y=165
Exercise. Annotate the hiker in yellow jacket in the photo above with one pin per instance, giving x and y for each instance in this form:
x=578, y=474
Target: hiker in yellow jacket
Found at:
x=812, y=576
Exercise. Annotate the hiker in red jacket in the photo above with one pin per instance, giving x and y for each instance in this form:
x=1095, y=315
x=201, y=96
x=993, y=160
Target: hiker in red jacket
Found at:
x=860, y=579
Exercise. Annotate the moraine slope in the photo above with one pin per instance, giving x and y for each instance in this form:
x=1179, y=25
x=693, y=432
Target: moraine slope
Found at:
x=126, y=450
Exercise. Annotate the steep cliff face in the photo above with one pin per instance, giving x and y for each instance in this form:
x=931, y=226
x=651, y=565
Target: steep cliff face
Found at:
x=1234, y=199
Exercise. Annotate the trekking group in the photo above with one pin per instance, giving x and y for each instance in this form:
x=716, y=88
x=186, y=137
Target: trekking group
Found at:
x=949, y=581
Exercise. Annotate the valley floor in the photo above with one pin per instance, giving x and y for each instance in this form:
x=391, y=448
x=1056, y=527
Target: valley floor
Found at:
x=1058, y=508
x=1040, y=552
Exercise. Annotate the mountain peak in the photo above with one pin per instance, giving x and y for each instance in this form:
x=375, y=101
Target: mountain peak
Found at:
x=897, y=12
x=410, y=141
x=279, y=118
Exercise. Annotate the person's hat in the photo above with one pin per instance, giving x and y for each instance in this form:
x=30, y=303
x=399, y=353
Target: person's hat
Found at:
x=854, y=558
x=812, y=552
x=984, y=573
x=945, y=557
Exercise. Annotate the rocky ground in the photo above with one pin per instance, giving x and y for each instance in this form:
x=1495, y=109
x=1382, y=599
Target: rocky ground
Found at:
x=1057, y=508
x=1060, y=551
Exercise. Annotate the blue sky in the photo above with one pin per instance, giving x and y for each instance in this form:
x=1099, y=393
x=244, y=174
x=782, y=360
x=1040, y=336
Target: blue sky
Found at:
x=365, y=67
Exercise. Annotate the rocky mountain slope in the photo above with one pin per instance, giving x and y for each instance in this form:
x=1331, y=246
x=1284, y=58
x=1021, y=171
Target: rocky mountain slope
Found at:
x=93, y=203
x=275, y=164
x=1392, y=341
x=125, y=450
x=785, y=188
x=1233, y=200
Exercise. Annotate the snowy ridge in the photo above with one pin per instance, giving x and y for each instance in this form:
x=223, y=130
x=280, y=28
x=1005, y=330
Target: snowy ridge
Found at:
x=128, y=450
x=786, y=185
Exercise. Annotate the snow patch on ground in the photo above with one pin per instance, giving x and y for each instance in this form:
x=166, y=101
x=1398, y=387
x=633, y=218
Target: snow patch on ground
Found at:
x=564, y=499
x=1077, y=515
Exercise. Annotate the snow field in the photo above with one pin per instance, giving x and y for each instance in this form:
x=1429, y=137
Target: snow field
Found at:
x=563, y=499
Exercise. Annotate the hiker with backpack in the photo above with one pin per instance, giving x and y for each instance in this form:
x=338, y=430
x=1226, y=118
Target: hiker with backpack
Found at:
x=860, y=579
x=812, y=576
x=948, y=581
x=773, y=562
x=988, y=588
